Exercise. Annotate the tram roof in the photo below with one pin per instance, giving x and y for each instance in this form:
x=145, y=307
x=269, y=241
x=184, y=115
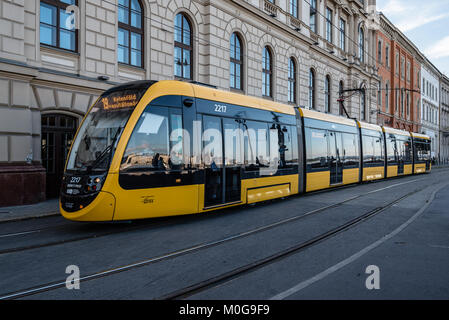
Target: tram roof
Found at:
x=311, y=114
x=396, y=131
x=420, y=136
x=369, y=126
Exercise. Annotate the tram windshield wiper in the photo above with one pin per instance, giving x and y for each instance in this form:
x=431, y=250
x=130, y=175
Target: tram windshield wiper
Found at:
x=107, y=150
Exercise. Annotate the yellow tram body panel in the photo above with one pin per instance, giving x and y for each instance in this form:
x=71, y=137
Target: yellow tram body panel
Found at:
x=420, y=168
x=318, y=181
x=267, y=188
x=392, y=171
x=321, y=180
x=351, y=176
x=408, y=169
x=157, y=202
x=373, y=173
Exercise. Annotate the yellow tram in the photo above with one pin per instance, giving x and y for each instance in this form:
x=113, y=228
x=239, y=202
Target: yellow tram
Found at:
x=150, y=149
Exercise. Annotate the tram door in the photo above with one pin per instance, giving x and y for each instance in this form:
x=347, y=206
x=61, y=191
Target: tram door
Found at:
x=57, y=135
x=335, y=157
x=221, y=151
x=401, y=153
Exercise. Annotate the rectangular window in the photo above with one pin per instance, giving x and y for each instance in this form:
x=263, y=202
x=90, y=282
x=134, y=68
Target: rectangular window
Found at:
x=256, y=144
x=350, y=150
x=404, y=149
x=313, y=16
x=392, y=150
x=342, y=34
x=293, y=8
x=387, y=56
x=288, y=152
x=397, y=64
x=379, y=52
x=422, y=151
x=316, y=149
x=408, y=71
x=329, y=25
x=402, y=67
x=151, y=146
x=379, y=95
x=373, y=154
x=56, y=27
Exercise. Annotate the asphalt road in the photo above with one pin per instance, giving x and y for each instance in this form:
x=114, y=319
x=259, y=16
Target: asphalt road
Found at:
x=304, y=247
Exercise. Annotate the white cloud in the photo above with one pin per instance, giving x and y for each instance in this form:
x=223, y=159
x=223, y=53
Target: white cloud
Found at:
x=409, y=15
x=419, y=21
x=439, y=49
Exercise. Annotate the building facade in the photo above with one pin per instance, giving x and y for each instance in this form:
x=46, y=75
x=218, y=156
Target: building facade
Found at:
x=430, y=106
x=54, y=64
x=399, y=71
x=444, y=119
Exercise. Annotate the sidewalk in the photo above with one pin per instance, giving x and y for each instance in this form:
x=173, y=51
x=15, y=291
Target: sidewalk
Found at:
x=42, y=209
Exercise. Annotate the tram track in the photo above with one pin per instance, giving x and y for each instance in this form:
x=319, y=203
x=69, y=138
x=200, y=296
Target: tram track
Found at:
x=240, y=271
x=204, y=285
x=150, y=223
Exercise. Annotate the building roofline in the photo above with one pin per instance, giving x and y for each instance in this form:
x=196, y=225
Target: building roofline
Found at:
x=409, y=42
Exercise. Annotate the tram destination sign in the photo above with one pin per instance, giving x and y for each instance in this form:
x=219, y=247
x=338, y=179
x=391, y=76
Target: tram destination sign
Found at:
x=119, y=101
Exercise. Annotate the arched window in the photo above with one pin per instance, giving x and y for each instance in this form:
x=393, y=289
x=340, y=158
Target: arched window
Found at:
x=312, y=89
x=361, y=45
x=292, y=81
x=183, y=47
x=341, y=87
x=327, y=94
x=53, y=30
x=236, y=64
x=130, y=32
x=267, y=73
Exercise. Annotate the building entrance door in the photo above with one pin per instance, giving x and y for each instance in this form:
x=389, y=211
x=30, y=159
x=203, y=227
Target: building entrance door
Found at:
x=58, y=131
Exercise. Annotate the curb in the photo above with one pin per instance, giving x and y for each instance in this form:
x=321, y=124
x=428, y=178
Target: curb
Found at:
x=29, y=217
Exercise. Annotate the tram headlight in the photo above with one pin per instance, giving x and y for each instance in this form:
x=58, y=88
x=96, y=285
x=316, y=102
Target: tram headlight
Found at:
x=93, y=184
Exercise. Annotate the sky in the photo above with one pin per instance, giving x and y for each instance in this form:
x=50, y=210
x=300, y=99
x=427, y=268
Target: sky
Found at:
x=425, y=23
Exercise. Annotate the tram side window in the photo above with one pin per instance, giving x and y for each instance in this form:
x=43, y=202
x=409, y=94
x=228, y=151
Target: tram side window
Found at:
x=212, y=153
x=392, y=149
x=256, y=145
x=351, y=150
x=316, y=150
x=156, y=142
x=288, y=147
x=233, y=135
x=372, y=151
x=405, y=150
x=422, y=151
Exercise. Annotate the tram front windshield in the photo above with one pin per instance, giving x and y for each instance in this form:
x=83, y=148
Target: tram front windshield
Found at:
x=97, y=138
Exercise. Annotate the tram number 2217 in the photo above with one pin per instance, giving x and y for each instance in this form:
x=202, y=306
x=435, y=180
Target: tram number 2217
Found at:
x=220, y=108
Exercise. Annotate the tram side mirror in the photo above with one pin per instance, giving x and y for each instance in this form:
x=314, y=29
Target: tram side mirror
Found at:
x=188, y=102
